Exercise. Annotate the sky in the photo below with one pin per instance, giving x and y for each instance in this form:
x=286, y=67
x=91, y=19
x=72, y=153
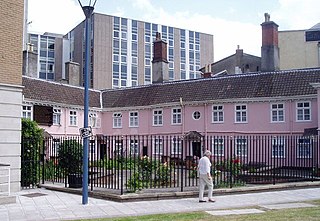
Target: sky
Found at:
x=231, y=22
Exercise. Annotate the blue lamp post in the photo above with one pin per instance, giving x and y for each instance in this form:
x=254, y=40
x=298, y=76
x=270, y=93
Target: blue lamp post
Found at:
x=88, y=11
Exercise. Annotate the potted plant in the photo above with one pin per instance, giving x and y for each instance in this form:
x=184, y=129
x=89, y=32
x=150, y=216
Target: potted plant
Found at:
x=70, y=156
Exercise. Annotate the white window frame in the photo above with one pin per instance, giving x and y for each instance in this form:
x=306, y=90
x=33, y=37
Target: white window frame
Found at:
x=217, y=146
x=303, y=110
x=196, y=115
x=117, y=120
x=134, y=147
x=157, y=117
x=118, y=147
x=157, y=146
x=217, y=113
x=243, y=113
x=277, y=112
x=56, y=118
x=93, y=119
x=241, y=145
x=133, y=119
x=176, y=116
x=27, y=112
x=304, y=149
x=73, y=118
x=278, y=147
x=176, y=146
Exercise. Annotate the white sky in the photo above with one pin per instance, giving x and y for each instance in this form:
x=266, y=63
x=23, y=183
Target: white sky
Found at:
x=232, y=22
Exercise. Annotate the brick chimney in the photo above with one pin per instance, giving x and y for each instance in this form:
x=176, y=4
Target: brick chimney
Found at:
x=207, y=71
x=160, y=68
x=269, y=49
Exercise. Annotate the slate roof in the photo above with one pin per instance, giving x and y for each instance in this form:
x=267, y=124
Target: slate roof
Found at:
x=45, y=91
x=253, y=85
x=244, y=86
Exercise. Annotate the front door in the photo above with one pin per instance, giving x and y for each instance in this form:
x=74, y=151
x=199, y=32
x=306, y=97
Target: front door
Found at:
x=196, y=148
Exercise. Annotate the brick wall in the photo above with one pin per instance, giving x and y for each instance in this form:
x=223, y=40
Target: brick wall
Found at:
x=11, y=26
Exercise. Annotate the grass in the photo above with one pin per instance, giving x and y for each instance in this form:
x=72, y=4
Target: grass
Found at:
x=297, y=214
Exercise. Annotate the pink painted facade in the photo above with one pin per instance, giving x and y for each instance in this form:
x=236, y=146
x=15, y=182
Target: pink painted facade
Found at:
x=258, y=120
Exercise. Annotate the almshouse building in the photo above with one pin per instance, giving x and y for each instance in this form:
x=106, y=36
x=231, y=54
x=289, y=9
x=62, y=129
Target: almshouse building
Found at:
x=280, y=102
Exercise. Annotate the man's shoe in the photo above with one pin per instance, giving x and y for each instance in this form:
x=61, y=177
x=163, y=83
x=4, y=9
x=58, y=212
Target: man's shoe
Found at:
x=212, y=200
x=202, y=201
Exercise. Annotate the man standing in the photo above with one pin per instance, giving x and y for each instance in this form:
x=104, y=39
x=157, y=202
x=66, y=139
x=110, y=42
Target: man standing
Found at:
x=204, y=168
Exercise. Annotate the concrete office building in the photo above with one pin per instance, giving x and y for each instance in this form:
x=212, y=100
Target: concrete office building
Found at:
x=300, y=48
x=122, y=51
x=45, y=56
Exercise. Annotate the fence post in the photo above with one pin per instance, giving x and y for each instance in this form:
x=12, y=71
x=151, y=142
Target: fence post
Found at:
x=181, y=165
x=229, y=179
x=43, y=159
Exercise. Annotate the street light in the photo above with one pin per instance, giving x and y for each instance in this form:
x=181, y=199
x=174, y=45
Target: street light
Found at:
x=88, y=11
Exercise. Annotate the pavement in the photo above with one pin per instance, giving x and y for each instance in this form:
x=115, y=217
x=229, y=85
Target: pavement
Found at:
x=44, y=204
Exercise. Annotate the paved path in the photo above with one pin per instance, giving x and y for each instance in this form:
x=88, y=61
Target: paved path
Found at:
x=42, y=204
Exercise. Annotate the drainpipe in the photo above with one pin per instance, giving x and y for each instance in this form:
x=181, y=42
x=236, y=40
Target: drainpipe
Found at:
x=183, y=116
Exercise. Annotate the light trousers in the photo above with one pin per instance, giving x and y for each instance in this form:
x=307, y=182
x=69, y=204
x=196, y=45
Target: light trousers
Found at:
x=205, y=181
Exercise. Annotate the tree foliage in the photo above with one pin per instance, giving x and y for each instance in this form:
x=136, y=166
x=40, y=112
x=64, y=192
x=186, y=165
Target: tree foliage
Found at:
x=31, y=140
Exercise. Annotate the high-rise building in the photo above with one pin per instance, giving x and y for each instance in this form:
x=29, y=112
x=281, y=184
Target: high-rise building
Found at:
x=51, y=53
x=122, y=51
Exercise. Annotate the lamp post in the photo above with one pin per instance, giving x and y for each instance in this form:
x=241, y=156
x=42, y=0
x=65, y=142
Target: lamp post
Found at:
x=88, y=11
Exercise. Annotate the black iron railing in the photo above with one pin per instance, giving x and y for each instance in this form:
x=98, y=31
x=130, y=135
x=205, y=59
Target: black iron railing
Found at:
x=130, y=163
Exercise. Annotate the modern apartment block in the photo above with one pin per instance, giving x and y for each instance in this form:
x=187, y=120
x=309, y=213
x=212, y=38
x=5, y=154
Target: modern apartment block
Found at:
x=122, y=51
x=300, y=48
x=11, y=36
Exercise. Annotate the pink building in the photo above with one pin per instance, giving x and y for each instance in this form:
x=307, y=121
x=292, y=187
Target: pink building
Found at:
x=271, y=103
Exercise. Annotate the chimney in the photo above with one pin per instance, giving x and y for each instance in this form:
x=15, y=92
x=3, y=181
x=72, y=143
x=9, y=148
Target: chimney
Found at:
x=160, y=68
x=239, y=55
x=269, y=49
x=207, y=71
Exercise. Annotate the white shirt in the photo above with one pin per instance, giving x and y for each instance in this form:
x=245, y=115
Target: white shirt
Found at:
x=204, y=165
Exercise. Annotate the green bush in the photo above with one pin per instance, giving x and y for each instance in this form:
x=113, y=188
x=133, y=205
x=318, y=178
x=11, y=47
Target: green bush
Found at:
x=148, y=173
x=70, y=156
x=31, y=148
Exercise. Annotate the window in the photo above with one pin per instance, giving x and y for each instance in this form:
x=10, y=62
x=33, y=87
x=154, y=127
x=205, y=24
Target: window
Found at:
x=241, y=113
x=176, y=116
x=278, y=147
x=196, y=115
x=218, y=146
x=241, y=147
x=133, y=119
x=217, y=113
x=157, y=118
x=134, y=147
x=93, y=119
x=117, y=120
x=73, y=118
x=304, y=148
x=158, y=146
x=56, y=116
x=303, y=111
x=176, y=145
x=27, y=112
x=277, y=113
x=118, y=148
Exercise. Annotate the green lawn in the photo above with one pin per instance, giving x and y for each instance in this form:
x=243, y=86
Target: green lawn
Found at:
x=299, y=214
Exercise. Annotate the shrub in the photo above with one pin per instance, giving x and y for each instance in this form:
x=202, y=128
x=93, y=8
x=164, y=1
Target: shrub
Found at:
x=70, y=156
x=32, y=140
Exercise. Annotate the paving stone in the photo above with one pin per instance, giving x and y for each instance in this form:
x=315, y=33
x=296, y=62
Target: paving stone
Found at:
x=234, y=212
x=287, y=205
